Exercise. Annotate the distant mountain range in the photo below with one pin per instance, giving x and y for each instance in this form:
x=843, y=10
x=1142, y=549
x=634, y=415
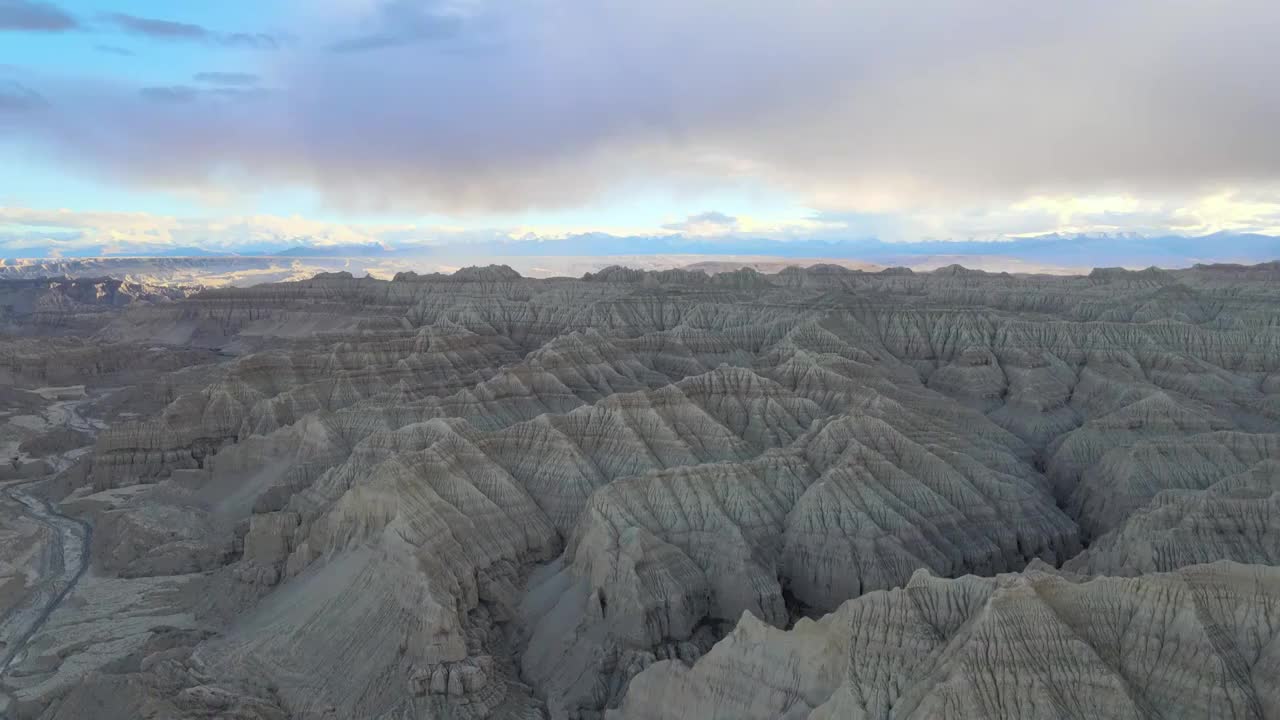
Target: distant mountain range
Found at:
x=1056, y=250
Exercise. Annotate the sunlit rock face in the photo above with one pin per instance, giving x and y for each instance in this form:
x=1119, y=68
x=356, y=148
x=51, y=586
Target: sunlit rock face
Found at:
x=816, y=493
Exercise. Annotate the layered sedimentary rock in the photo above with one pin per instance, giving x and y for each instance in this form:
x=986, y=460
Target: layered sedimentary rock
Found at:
x=1236, y=518
x=1196, y=642
x=481, y=495
x=45, y=304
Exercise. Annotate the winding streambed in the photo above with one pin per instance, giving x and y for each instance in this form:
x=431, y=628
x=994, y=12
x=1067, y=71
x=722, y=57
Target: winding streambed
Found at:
x=66, y=559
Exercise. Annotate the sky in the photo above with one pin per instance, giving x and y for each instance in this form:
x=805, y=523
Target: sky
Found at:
x=141, y=125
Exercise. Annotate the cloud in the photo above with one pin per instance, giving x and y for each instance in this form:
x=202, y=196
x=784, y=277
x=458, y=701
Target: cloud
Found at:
x=715, y=224
x=27, y=232
x=170, y=94
x=113, y=50
x=34, y=16
x=180, y=31
x=249, y=41
x=405, y=22
x=711, y=217
x=1231, y=212
x=69, y=230
x=868, y=108
x=184, y=94
x=706, y=223
x=227, y=78
x=164, y=29
x=1185, y=215
x=18, y=98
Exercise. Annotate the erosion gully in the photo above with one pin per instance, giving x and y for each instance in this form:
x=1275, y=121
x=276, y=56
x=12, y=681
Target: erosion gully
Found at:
x=67, y=559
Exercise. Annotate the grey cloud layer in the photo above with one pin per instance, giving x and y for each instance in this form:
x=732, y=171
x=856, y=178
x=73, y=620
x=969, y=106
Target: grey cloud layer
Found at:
x=406, y=22
x=502, y=106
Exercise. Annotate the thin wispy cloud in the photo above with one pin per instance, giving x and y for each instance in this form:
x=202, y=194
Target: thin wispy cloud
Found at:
x=114, y=50
x=18, y=98
x=163, y=29
x=240, y=79
x=170, y=94
x=183, y=94
x=158, y=29
x=249, y=41
x=32, y=16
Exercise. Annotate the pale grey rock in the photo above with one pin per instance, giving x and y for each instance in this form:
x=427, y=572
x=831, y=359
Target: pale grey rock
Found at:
x=147, y=538
x=1127, y=478
x=1237, y=518
x=1195, y=642
x=484, y=495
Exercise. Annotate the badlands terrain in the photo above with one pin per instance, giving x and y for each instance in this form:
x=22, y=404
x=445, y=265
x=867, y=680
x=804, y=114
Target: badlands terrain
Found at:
x=817, y=493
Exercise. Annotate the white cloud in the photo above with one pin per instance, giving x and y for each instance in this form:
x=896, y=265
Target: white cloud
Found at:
x=141, y=232
x=25, y=230
x=1231, y=211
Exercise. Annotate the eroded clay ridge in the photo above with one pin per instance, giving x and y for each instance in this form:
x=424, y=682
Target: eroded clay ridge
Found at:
x=481, y=495
x=1031, y=645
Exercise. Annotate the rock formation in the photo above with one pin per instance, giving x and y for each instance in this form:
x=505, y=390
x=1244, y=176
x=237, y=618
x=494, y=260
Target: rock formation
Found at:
x=1199, y=641
x=487, y=496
